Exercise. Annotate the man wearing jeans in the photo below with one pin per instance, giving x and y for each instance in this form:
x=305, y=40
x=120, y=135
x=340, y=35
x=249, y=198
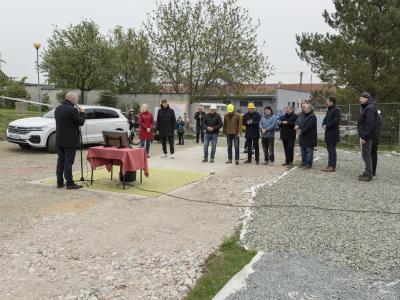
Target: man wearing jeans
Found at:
x=212, y=124
x=233, y=131
x=367, y=127
x=252, y=121
x=308, y=136
x=332, y=135
x=268, y=125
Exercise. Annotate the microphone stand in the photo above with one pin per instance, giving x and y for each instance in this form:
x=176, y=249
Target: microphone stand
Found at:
x=81, y=150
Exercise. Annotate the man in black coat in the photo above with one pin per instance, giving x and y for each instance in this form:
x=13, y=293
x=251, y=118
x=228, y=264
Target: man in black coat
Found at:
x=199, y=117
x=166, y=124
x=252, y=122
x=332, y=135
x=308, y=136
x=367, y=127
x=68, y=120
x=287, y=123
x=212, y=123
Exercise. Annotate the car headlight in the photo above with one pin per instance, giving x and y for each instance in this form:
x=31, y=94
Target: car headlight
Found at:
x=38, y=128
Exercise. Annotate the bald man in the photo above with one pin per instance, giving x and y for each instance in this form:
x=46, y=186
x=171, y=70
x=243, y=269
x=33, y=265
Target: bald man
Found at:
x=68, y=119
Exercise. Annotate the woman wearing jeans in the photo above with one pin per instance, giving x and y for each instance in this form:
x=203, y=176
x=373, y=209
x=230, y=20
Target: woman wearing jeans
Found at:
x=146, y=123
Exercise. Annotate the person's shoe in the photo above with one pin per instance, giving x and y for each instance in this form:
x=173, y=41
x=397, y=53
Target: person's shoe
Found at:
x=236, y=162
x=148, y=156
x=73, y=187
x=289, y=165
x=362, y=175
x=328, y=170
x=307, y=167
x=257, y=162
x=285, y=164
x=172, y=156
x=228, y=162
x=247, y=162
x=204, y=160
x=365, y=178
x=212, y=160
x=164, y=155
x=60, y=185
x=266, y=163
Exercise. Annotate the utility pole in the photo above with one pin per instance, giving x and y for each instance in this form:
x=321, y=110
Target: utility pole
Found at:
x=37, y=45
x=301, y=79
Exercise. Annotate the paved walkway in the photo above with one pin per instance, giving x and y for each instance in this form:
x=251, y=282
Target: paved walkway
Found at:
x=58, y=244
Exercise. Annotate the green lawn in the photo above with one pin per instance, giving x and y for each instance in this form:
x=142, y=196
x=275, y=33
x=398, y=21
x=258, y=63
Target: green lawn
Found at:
x=221, y=266
x=8, y=115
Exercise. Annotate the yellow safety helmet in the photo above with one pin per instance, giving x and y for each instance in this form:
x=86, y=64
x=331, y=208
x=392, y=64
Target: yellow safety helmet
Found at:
x=251, y=106
x=230, y=108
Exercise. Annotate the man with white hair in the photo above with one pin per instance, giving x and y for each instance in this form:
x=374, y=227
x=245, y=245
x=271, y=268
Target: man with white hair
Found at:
x=212, y=123
x=68, y=119
x=308, y=136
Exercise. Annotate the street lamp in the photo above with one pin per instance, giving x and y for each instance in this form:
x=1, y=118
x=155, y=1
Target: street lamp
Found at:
x=37, y=45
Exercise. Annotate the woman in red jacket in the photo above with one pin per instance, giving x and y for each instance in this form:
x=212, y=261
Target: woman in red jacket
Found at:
x=146, y=123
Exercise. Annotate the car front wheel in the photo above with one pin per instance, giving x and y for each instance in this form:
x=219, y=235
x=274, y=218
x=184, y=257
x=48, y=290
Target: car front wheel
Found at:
x=51, y=143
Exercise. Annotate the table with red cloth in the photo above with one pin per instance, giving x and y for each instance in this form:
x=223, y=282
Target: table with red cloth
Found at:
x=129, y=160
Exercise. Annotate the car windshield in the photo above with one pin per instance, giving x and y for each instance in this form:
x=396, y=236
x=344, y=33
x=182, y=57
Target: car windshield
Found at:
x=49, y=114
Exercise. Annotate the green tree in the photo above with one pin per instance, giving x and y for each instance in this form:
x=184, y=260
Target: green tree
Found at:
x=135, y=73
x=362, y=52
x=79, y=57
x=14, y=89
x=202, y=46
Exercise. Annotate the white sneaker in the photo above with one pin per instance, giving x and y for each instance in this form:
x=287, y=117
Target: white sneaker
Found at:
x=164, y=155
x=172, y=156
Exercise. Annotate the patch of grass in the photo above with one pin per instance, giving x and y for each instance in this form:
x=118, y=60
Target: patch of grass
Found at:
x=220, y=267
x=8, y=115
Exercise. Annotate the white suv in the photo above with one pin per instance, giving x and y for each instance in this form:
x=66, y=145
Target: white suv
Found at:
x=39, y=132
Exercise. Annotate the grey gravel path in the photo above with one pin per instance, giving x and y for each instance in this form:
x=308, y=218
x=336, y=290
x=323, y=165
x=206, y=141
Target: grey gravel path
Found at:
x=328, y=254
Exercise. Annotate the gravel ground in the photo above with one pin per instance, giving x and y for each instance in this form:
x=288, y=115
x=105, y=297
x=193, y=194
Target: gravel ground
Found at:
x=58, y=244
x=305, y=245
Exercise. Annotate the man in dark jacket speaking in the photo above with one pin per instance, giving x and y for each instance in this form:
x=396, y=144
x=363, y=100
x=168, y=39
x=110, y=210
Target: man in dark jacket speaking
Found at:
x=68, y=120
x=367, y=127
x=332, y=135
x=288, y=134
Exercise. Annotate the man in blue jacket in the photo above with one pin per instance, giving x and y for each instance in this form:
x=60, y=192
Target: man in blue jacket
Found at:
x=308, y=136
x=268, y=124
x=332, y=135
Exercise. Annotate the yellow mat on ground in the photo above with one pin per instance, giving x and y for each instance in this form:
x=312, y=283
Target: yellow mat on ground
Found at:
x=160, y=180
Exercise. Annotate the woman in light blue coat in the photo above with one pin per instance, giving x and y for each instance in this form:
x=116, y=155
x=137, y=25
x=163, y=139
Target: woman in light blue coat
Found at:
x=268, y=125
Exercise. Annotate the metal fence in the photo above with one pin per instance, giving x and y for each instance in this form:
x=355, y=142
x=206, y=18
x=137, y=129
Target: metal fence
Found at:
x=390, y=114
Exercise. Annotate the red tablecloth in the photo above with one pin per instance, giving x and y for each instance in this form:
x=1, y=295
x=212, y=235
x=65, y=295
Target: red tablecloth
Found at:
x=130, y=159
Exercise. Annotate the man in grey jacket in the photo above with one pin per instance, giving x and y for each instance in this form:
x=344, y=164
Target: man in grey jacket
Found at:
x=268, y=125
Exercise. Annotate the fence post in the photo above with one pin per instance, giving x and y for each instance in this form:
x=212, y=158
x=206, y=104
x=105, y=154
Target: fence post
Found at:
x=398, y=138
x=348, y=130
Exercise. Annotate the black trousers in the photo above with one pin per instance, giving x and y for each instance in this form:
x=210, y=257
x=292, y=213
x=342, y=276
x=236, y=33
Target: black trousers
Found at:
x=170, y=140
x=181, y=138
x=199, y=134
x=66, y=158
x=268, y=148
x=250, y=144
x=374, y=156
x=288, y=146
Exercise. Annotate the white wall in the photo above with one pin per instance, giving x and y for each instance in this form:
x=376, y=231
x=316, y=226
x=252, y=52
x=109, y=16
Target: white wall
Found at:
x=284, y=96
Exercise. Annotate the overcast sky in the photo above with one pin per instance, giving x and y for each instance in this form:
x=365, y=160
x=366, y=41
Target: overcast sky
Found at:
x=25, y=21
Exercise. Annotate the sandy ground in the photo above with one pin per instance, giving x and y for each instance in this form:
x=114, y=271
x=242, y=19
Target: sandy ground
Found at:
x=59, y=244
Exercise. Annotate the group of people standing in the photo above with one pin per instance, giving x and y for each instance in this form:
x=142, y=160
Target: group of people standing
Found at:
x=263, y=126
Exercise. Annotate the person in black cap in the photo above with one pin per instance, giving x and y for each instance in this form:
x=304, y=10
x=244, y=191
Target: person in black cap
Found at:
x=367, y=127
x=332, y=135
